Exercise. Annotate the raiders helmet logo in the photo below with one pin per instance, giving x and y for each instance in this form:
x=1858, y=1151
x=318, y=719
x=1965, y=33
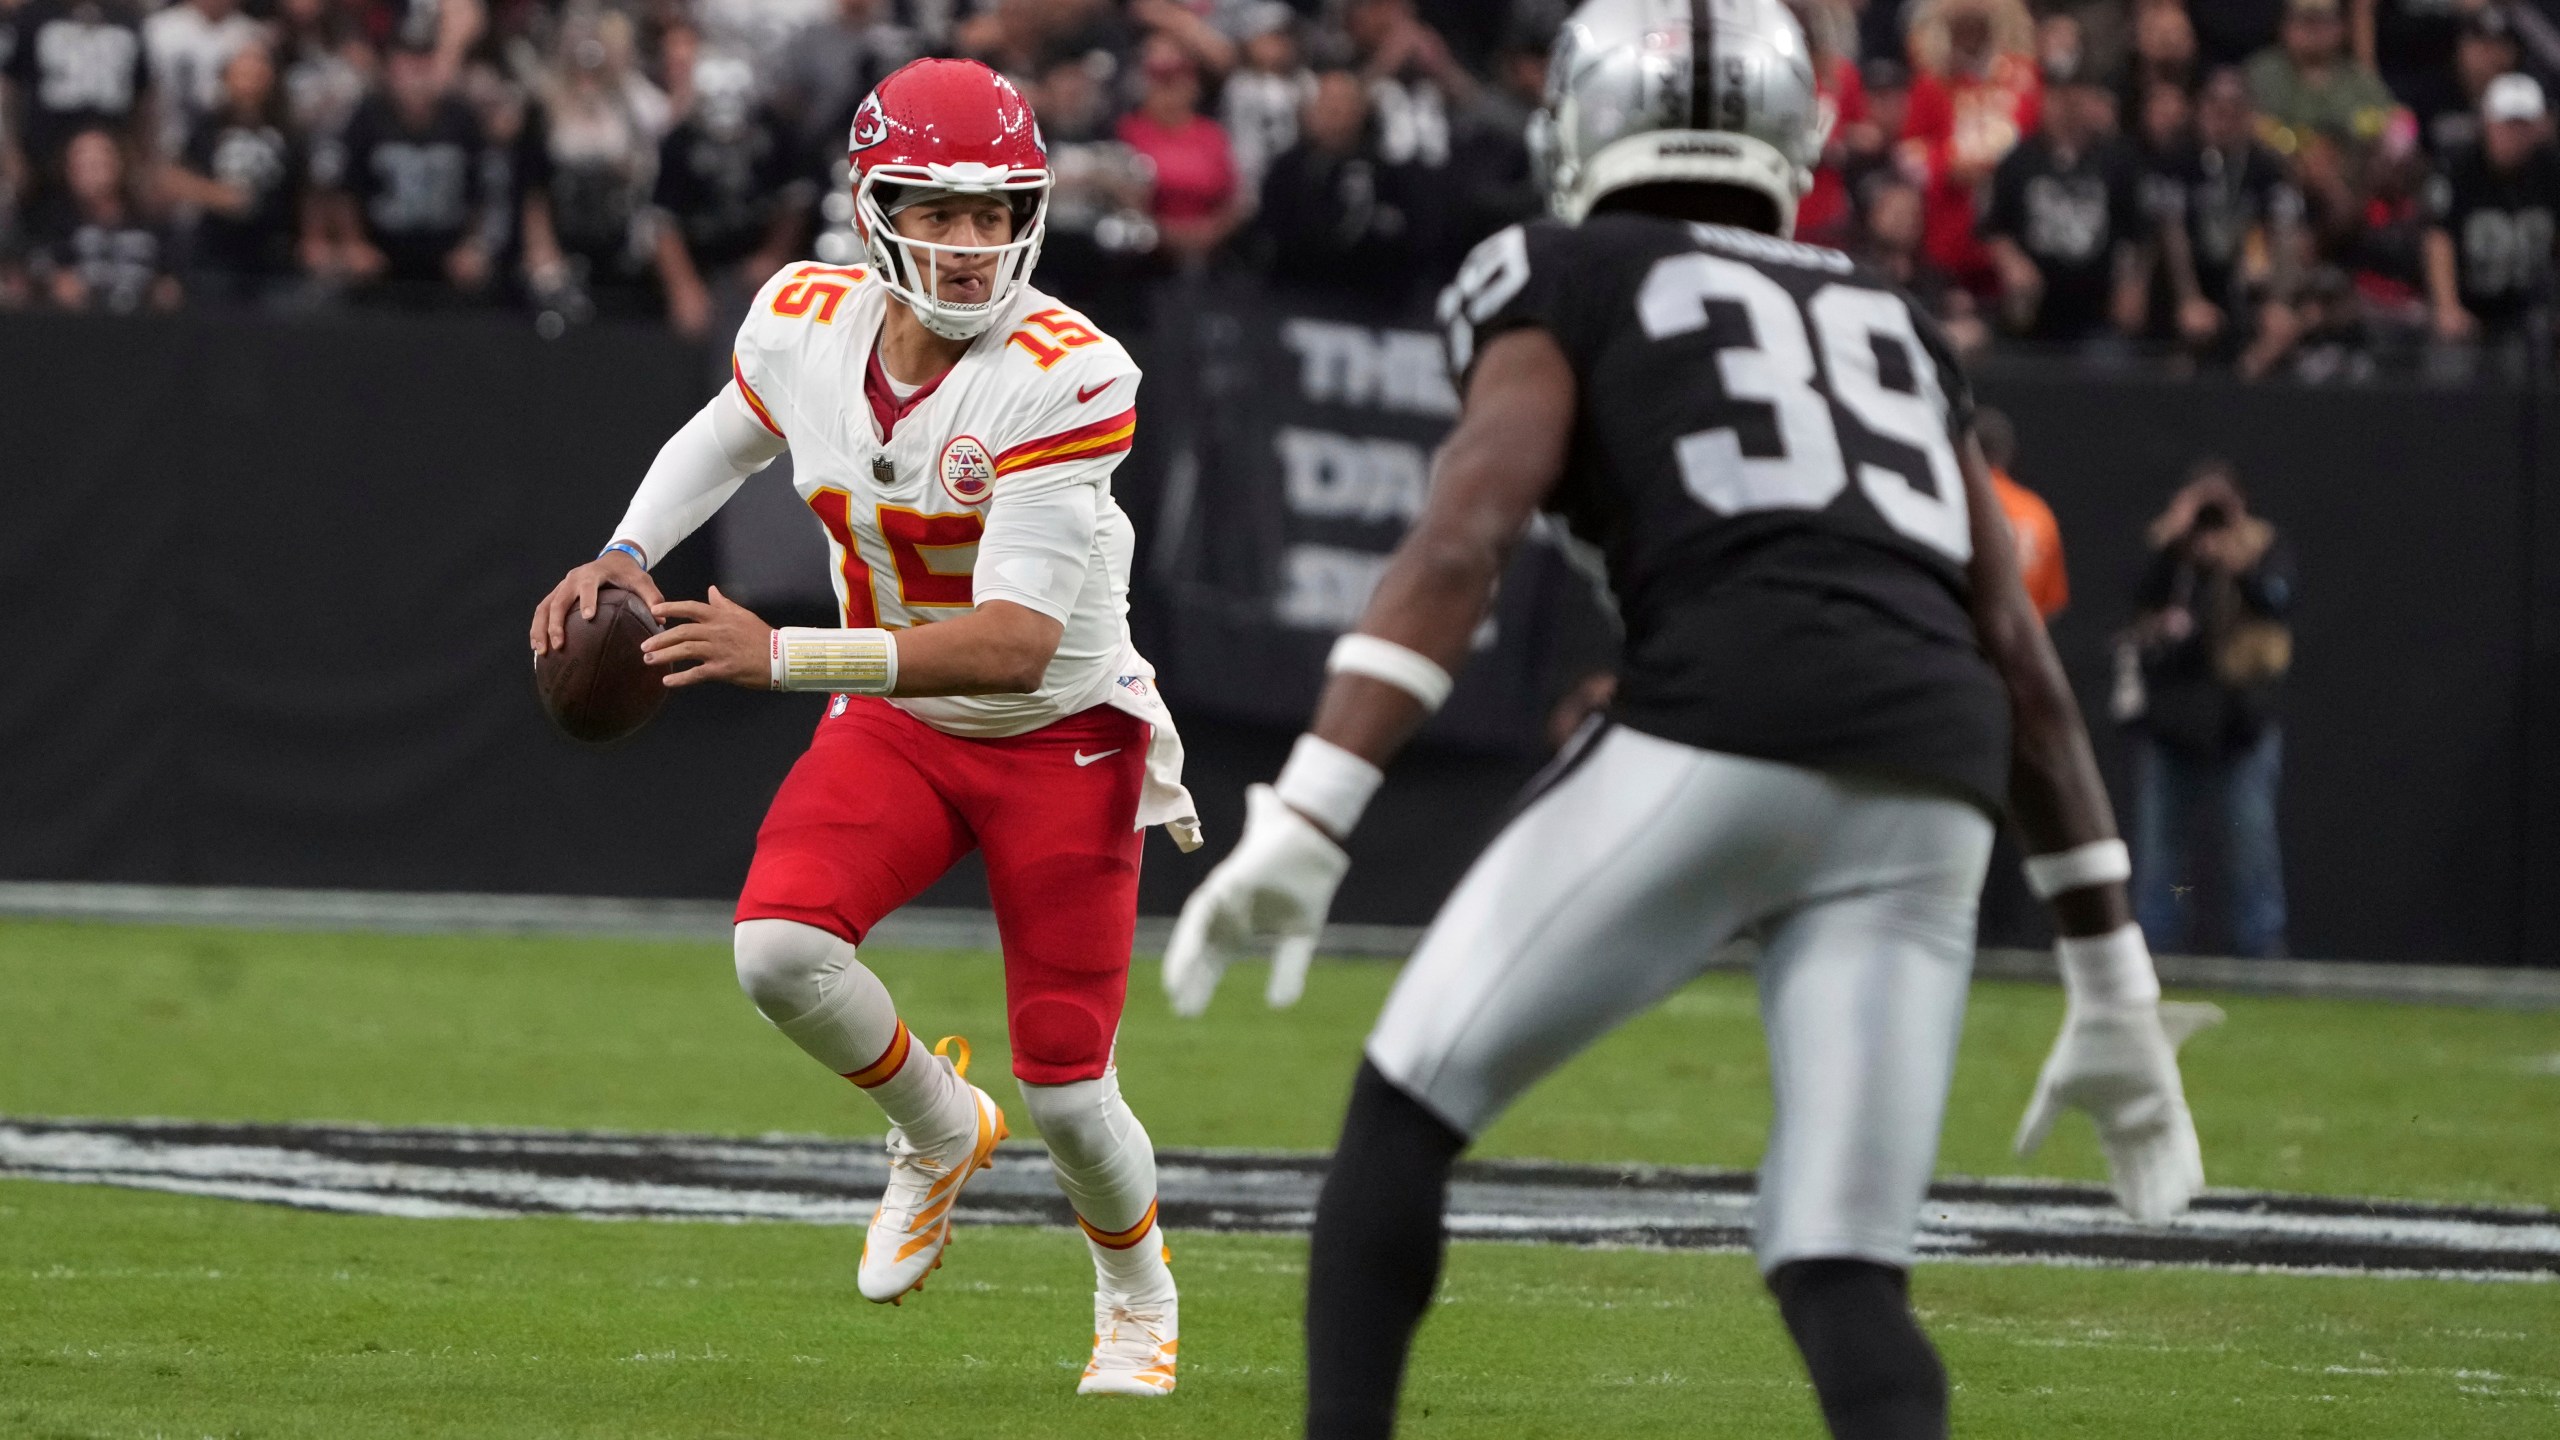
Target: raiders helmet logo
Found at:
x=968, y=471
x=870, y=124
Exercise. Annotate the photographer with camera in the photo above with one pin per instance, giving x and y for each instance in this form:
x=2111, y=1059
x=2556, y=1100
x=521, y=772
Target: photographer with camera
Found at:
x=2197, y=680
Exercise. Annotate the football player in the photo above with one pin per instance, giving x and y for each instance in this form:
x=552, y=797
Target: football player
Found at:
x=955, y=431
x=1833, y=685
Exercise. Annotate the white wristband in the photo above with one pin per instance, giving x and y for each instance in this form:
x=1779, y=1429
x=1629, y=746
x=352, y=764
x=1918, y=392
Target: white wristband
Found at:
x=2109, y=970
x=1327, y=784
x=2100, y=862
x=854, y=662
x=1410, y=671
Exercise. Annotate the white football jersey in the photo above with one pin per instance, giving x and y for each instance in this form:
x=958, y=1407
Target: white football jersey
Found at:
x=1042, y=402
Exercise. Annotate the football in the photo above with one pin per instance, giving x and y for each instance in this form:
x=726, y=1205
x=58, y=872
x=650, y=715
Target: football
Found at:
x=595, y=686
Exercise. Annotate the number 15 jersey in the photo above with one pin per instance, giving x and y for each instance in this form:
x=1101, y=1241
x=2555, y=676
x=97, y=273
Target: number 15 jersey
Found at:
x=1764, y=453
x=1024, y=431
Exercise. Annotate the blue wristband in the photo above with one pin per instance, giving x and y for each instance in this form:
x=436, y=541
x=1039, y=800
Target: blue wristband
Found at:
x=627, y=548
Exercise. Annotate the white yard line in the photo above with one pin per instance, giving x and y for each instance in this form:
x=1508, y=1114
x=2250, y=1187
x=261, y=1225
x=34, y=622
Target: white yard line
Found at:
x=460, y=1173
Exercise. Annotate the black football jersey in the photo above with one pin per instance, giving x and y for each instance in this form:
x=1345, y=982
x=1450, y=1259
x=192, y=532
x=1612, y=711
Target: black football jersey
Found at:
x=1764, y=452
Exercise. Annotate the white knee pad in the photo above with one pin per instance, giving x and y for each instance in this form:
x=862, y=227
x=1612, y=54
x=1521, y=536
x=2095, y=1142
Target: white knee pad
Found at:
x=784, y=965
x=808, y=983
x=1104, y=1160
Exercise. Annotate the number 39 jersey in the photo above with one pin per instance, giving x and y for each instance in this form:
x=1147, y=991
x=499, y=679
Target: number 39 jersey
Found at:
x=1028, y=425
x=1764, y=452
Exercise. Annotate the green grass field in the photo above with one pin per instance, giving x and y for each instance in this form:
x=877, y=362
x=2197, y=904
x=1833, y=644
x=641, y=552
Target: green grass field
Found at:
x=126, y=1314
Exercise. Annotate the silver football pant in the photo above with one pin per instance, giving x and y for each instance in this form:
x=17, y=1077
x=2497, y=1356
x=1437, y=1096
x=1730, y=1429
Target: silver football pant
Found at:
x=1618, y=883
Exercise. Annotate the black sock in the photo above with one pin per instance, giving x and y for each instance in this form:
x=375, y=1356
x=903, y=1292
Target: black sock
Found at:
x=1376, y=1257
x=1876, y=1374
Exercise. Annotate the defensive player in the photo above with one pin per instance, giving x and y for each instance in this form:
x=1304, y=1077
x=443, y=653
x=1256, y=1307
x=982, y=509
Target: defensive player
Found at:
x=1832, y=681
x=955, y=431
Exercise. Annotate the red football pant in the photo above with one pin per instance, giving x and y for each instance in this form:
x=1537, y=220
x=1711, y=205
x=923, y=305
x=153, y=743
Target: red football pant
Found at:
x=883, y=804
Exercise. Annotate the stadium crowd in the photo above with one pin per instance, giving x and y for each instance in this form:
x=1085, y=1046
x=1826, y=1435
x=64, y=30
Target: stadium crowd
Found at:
x=2313, y=187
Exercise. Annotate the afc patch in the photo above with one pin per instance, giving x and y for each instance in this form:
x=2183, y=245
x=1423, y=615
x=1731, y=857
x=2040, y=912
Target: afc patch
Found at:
x=968, y=471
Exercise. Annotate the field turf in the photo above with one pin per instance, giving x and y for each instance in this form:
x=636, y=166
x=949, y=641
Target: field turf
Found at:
x=125, y=1314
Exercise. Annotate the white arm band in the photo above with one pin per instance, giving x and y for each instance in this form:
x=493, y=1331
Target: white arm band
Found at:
x=2108, y=970
x=2100, y=862
x=1327, y=784
x=1410, y=671
x=852, y=662
x=696, y=472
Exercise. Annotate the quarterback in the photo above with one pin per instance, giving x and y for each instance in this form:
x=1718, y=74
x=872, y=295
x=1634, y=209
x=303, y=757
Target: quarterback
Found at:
x=955, y=431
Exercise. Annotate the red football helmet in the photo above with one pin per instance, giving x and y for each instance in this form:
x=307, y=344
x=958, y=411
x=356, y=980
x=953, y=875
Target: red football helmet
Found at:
x=941, y=126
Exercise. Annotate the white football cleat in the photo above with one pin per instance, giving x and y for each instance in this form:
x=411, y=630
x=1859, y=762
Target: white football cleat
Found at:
x=1134, y=1344
x=912, y=1227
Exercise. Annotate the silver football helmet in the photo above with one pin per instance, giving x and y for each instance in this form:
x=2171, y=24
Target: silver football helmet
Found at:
x=1642, y=92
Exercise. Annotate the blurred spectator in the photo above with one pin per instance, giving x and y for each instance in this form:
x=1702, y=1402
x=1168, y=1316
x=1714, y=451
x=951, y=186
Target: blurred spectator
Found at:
x=2381, y=246
x=2164, y=52
x=1976, y=92
x=1260, y=102
x=1209, y=47
x=404, y=192
x=443, y=30
x=189, y=43
x=1823, y=215
x=1414, y=82
x=95, y=251
x=243, y=170
x=2031, y=522
x=2197, y=679
x=766, y=32
x=729, y=197
x=2312, y=82
x=2447, y=96
x=1019, y=36
x=1490, y=176
x=76, y=65
x=1196, y=205
x=830, y=66
x=1333, y=210
x=2230, y=232
x=584, y=163
x=1885, y=85
x=325, y=63
x=2064, y=223
x=1101, y=242
x=1891, y=227
x=2489, y=253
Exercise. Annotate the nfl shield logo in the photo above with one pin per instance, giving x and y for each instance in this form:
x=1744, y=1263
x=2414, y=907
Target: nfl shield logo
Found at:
x=968, y=471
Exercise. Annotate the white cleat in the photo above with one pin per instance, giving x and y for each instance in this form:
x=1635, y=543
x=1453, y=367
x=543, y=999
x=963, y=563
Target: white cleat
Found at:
x=1134, y=1344
x=912, y=1227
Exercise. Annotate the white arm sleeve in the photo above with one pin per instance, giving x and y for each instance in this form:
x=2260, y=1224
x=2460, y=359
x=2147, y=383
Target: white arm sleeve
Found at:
x=1038, y=546
x=696, y=472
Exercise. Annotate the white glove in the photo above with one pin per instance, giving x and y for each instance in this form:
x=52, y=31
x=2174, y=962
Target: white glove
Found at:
x=1277, y=884
x=2120, y=1064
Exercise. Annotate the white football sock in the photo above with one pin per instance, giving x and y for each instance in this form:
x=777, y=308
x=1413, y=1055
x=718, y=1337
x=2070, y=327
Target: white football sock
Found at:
x=809, y=985
x=1107, y=1166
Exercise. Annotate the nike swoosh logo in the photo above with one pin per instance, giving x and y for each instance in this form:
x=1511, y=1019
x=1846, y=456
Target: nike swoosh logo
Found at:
x=1082, y=759
x=1086, y=393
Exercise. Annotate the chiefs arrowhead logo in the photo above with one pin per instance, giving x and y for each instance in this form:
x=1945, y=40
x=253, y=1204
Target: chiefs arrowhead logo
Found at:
x=870, y=123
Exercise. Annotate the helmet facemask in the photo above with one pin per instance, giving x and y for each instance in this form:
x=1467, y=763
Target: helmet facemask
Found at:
x=912, y=269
